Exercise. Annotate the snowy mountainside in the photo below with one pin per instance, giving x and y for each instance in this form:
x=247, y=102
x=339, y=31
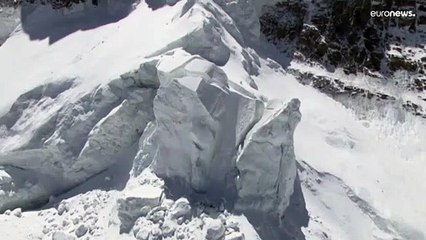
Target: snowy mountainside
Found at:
x=173, y=123
x=9, y=20
x=329, y=40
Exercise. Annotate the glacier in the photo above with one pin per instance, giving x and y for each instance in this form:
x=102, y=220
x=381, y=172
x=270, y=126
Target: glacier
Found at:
x=181, y=122
x=190, y=123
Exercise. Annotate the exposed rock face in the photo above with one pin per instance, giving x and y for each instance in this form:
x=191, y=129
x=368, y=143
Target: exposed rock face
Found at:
x=388, y=52
x=56, y=4
x=343, y=34
x=9, y=19
x=360, y=99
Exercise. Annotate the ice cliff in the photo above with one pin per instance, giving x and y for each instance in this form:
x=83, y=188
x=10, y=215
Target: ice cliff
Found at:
x=265, y=164
x=207, y=138
x=75, y=140
x=208, y=143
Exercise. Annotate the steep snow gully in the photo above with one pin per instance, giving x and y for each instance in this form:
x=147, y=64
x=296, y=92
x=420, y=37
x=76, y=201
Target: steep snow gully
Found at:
x=170, y=122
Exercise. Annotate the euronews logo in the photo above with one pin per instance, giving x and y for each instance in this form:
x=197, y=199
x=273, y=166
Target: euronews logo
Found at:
x=393, y=14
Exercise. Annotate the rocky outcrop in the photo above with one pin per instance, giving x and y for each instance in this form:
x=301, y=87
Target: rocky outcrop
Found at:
x=364, y=100
x=386, y=52
x=56, y=4
x=9, y=19
x=343, y=34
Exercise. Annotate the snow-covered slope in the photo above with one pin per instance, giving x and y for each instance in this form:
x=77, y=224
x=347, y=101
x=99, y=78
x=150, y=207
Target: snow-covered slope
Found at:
x=173, y=123
x=9, y=20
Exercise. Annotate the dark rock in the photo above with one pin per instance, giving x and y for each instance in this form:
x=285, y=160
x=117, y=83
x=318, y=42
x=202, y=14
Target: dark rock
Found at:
x=342, y=33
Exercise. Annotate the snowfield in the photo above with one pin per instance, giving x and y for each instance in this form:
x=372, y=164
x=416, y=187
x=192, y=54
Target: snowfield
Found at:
x=176, y=123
